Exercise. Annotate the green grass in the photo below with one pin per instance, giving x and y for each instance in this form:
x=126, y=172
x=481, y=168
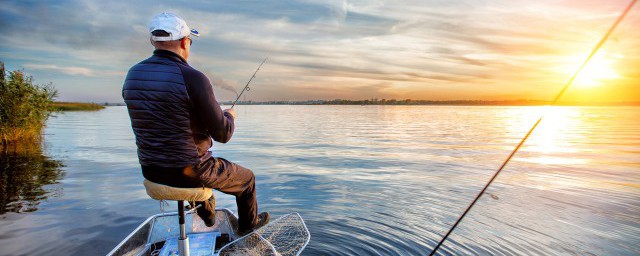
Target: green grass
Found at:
x=75, y=106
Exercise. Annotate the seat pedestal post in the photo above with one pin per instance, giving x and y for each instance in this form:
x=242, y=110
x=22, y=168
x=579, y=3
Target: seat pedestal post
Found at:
x=183, y=241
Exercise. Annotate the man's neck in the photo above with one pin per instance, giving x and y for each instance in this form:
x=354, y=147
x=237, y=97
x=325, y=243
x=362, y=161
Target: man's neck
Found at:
x=169, y=52
x=174, y=51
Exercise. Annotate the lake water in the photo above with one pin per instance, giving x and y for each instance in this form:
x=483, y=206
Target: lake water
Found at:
x=368, y=180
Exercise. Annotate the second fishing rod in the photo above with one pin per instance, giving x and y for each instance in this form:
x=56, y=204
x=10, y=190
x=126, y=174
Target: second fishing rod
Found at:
x=526, y=136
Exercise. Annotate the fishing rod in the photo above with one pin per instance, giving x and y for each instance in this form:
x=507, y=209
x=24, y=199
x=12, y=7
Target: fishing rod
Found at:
x=246, y=87
x=555, y=100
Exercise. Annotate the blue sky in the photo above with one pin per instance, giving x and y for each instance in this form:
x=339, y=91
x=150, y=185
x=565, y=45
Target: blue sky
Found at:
x=336, y=49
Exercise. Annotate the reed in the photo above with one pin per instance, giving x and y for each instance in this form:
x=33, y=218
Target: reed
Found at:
x=24, y=107
x=75, y=106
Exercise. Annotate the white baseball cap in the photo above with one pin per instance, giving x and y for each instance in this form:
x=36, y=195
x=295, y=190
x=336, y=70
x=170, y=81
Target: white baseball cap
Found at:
x=172, y=24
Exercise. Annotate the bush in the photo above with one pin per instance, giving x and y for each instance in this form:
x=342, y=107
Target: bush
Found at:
x=24, y=106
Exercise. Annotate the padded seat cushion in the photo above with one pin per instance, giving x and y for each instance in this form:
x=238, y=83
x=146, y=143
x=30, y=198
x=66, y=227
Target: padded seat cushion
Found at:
x=164, y=192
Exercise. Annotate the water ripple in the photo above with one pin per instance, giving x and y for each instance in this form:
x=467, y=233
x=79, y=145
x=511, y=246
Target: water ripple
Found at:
x=374, y=180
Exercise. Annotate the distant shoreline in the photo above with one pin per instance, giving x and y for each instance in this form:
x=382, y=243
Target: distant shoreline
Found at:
x=435, y=103
x=421, y=103
x=75, y=106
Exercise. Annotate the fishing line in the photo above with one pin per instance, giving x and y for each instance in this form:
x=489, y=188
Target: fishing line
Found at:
x=555, y=100
x=246, y=87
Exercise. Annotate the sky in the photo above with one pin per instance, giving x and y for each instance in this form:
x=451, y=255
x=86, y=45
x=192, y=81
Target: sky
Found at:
x=326, y=49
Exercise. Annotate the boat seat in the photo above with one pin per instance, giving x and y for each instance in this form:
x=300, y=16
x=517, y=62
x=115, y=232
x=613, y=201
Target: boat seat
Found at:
x=164, y=192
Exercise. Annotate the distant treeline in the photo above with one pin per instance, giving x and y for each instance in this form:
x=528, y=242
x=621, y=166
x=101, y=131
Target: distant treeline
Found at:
x=75, y=106
x=520, y=102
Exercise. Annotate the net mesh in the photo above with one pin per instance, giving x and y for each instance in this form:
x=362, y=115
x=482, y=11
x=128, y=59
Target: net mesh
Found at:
x=286, y=236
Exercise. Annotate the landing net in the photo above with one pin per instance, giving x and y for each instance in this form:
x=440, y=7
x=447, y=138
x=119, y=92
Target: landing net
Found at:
x=286, y=236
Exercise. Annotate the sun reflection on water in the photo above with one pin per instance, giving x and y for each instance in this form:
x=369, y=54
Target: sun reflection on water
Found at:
x=552, y=140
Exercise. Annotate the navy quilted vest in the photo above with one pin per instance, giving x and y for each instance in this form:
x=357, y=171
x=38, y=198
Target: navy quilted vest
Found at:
x=159, y=108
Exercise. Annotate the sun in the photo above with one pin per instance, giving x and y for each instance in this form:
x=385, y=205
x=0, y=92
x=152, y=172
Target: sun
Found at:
x=598, y=71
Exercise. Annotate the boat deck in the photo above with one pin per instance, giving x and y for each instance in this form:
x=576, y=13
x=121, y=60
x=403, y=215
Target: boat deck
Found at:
x=151, y=235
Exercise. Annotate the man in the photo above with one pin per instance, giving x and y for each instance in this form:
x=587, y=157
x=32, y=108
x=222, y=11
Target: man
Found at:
x=175, y=116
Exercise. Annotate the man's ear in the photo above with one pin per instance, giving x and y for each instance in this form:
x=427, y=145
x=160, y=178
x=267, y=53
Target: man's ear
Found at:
x=183, y=43
x=151, y=41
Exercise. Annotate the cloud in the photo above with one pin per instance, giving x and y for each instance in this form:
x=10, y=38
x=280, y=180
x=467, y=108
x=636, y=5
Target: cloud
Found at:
x=80, y=71
x=410, y=47
x=65, y=70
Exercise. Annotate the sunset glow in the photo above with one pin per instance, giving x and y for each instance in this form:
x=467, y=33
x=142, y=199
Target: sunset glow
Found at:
x=497, y=50
x=599, y=71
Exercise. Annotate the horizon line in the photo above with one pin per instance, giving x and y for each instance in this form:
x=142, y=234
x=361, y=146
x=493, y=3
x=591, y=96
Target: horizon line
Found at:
x=517, y=102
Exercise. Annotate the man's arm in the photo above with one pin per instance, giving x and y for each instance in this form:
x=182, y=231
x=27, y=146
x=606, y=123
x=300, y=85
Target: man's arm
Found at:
x=219, y=123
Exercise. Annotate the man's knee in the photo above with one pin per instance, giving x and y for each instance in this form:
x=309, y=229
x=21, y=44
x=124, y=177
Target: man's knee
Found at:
x=252, y=177
x=246, y=174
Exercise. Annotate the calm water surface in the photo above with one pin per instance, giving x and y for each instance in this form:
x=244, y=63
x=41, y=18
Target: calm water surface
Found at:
x=369, y=180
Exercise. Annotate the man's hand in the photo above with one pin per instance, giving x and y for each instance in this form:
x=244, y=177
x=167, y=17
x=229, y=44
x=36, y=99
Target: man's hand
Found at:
x=231, y=112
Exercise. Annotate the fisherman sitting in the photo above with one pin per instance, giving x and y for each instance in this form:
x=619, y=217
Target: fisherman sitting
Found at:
x=175, y=116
